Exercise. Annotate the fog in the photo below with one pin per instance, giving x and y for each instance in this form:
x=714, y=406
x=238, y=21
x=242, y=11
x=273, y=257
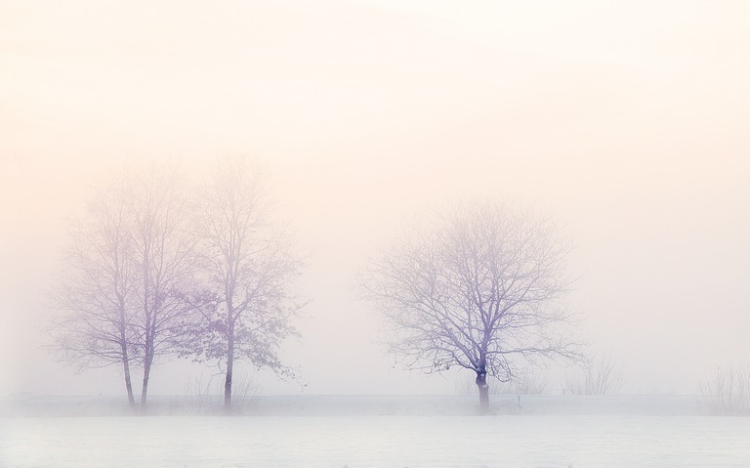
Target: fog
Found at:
x=626, y=122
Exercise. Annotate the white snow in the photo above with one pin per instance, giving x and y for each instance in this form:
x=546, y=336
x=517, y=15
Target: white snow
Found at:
x=549, y=441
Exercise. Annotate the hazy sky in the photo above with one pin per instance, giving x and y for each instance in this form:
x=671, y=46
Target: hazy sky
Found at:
x=625, y=120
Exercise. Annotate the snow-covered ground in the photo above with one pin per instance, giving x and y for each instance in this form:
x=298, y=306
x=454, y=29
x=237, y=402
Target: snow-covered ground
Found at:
x=369, y=440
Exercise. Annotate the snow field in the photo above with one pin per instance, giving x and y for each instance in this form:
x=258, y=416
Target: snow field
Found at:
x=376, y=441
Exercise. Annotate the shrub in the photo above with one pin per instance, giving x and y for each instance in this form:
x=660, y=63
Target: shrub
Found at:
x=596, y=378
x=727, y=391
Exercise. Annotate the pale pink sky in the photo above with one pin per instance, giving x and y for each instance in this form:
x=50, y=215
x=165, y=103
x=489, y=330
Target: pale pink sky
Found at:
x=625, y=120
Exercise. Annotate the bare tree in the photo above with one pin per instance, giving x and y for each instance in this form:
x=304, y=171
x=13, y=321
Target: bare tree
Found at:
x=596, y=378
x=163, y=260
x=245, y=302
x=98, y=289
x=479, y=289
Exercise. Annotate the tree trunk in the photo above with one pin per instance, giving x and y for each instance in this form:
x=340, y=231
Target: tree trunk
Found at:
x=228, y=380
x=147, y=314
x=128, y=383
x=148, y=359
x=484, y=392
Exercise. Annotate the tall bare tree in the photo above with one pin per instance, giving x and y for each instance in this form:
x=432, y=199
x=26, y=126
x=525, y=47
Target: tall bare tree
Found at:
x=163, y=260
x=246, y=304
x=98, y=289
x=479, y=289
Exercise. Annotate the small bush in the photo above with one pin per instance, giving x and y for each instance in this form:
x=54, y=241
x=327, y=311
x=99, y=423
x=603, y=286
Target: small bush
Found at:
x=596, y=378
x=727, y=391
